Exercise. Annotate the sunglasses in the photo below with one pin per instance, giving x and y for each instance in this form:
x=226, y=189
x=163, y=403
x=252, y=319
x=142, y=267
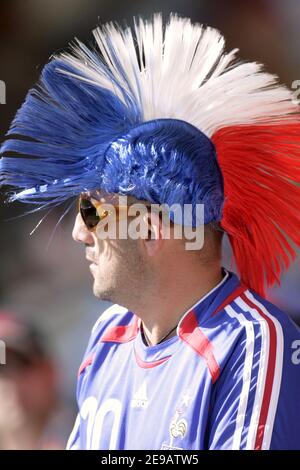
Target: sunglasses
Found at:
x=94, y=210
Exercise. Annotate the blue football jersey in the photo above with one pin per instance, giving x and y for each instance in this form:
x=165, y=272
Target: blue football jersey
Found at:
x=228, y=379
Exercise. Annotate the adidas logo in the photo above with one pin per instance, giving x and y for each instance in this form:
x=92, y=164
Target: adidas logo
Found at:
x=140, y=399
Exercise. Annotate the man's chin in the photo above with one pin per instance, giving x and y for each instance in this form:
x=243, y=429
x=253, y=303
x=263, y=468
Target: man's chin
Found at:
x=102, y=293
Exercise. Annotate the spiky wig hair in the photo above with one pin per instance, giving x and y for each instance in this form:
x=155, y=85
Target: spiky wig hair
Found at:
x=162, y=113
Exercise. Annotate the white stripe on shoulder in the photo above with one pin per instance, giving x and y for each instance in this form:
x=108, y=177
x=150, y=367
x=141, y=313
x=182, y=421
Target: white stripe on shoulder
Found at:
x=262, y=372
x=247, y=371
x=277, y=373
x=263, y=369
x=108, y=313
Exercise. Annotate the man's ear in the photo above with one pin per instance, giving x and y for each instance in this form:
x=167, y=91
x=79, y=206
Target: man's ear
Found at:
x=154, y=241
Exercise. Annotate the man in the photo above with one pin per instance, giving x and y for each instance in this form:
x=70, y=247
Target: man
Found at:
x=190, y=356
x=28, y=388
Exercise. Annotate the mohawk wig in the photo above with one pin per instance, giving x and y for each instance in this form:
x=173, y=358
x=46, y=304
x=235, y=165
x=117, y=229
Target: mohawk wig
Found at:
x=162, y=113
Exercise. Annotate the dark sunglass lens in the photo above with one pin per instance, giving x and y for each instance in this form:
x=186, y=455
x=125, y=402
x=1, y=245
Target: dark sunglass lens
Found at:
x=88, y=213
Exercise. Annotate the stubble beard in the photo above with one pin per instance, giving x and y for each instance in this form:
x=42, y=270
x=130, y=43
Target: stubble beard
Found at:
x=127, y=281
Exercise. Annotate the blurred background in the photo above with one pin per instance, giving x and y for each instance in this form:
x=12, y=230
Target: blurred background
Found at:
x=44, y=277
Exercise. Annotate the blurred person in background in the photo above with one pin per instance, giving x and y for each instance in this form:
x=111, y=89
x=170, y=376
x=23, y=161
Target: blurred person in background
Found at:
x=28, y=387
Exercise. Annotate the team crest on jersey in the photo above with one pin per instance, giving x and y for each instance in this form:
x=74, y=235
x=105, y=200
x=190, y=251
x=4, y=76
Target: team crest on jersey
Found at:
x=140, y=398
x=178, y=426
x=177, y=430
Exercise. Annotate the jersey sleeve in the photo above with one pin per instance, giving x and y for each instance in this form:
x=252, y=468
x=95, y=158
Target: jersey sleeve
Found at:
x=99, y=327
x=254, y=403
x=74, y=438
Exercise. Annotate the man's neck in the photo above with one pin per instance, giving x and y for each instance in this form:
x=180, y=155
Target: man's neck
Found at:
x=162, y=310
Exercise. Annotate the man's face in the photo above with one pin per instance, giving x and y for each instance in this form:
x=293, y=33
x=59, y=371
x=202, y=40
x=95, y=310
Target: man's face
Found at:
x=123, y=266
x=117, y=265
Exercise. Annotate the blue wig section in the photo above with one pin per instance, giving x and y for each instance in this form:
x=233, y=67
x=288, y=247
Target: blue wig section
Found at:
x=71, y=136
x=67, y=125
x=167, y=161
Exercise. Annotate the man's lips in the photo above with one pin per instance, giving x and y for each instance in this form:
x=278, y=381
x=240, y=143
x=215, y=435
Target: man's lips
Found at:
x=91, y=261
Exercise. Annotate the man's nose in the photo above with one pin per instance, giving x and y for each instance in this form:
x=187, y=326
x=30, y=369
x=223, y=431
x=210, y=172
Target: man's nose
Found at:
x=80, y=233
